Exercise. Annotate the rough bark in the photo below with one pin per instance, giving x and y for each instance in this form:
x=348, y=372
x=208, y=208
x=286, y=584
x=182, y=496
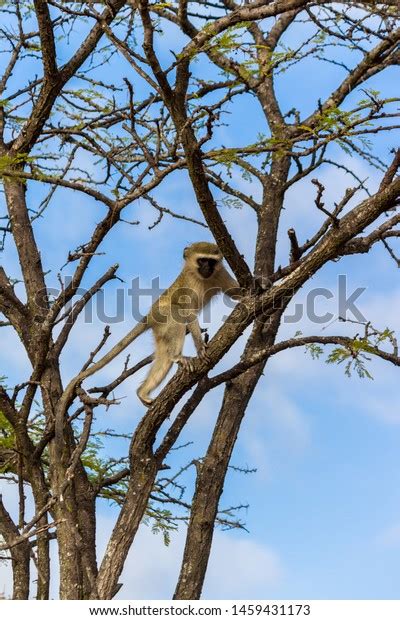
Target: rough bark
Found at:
x=20, y=555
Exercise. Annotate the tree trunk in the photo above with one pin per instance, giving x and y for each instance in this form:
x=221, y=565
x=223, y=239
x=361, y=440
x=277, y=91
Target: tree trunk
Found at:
x=20, y=555
x=212, y=471
x=210, y=483
x=144, y=468
x=75, y=508
x=43, y=565
x=20, y=567
x=41, y=496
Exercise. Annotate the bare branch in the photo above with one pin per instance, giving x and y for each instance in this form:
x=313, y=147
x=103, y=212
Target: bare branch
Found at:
x=46, y=39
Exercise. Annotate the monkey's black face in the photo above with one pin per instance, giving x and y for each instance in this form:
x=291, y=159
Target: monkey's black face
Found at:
x=206, y=266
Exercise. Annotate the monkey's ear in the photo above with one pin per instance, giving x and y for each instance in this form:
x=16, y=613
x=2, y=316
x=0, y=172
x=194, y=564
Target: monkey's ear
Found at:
x=185, y=253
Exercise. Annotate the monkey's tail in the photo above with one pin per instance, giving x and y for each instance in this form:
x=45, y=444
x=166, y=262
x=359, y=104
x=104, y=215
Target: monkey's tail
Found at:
x=139, y=329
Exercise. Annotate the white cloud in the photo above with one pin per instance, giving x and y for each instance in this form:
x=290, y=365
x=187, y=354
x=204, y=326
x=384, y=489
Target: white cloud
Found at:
x=288, y=419
x=385, y=409
x=382, y=309
x=16, y=363
x=390, y=537
x=282, y=415
x=239, y=567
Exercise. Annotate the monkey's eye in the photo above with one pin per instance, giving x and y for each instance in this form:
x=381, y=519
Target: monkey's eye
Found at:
x=209, y=262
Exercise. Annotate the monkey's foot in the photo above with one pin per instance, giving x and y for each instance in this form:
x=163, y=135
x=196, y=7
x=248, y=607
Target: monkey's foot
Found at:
x=186, y=363
x=147, y=402
x=203, y=354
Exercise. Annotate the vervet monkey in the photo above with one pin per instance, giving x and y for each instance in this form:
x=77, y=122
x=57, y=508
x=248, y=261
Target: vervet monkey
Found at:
x=203, y=276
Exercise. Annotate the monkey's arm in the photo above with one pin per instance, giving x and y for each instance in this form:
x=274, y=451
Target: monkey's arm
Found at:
x=199, y=343
x=230, y=286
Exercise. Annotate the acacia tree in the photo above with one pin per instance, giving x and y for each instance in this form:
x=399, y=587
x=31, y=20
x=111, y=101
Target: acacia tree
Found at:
x=162, y=117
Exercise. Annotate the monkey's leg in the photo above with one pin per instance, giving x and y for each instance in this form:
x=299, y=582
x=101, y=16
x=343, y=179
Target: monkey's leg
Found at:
x=169, y=338
x=159, y=369
x=176, y=346
x=201, y=346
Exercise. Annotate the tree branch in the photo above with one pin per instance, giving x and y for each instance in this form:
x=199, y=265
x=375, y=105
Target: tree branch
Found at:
x=46, y=39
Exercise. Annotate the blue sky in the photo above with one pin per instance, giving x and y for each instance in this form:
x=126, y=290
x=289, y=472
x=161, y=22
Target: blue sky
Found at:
x=324, y=503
